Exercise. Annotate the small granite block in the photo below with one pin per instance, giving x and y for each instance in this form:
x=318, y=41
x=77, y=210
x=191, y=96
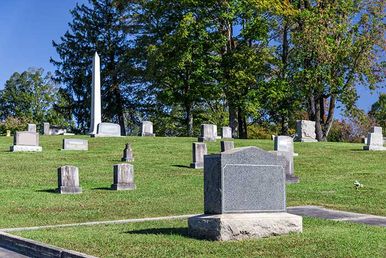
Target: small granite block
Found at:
x=225, y=227
x=284, y=144
x=68, y=180
x=376, y=129
x=199, y=150
x=128, y=153
x=123, y=177
x=208, y=133
x=26, y=139
x=24, y=148
x=227, y=145
x=305, y=131
x=46, y=129
x=75, y=144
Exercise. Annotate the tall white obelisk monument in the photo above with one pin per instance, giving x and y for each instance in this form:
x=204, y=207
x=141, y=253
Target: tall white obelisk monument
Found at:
x=96, y=106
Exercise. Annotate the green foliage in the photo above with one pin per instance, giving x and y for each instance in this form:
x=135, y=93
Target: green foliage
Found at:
x=378, y=111
x=341, y=132
x=31, y=97
x=14, y=124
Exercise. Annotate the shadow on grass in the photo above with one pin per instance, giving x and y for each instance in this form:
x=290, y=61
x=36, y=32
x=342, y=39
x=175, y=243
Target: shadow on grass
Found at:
x=55, y=191
x=102, y=188
x=181, y=166
x=161, y=231
x=358, y=150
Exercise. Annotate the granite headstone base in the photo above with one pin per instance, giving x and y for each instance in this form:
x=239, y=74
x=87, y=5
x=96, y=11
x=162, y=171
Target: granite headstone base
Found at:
x=240, y=226
x=307, y=140
x=374, y=148
x=108, y=130
x=25, y=148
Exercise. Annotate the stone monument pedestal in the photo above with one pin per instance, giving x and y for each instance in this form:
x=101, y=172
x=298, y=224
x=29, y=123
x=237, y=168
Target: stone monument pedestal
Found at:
x=239, y=226
x=24, y=148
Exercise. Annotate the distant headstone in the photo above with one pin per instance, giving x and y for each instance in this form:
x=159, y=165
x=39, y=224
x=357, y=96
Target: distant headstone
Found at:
x=32, y=128
x=284, y=144
x=26, y=141
x=46, y=129
x=375, y=140
x=208, y=133
x=305, y=131
x=128, y=153
x=68, y=180
x=108, y=130
x=199, y=151
x=75, y=144
x=288, y=165
x=8, y=133
x=226, y=132
x=57, y=130
x=227, y=145
x=123, y=177
x=147, y=129
x=244, y=197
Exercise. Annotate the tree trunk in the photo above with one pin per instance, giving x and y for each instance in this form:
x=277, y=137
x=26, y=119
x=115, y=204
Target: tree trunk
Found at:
x=284, y=125
x=233, y=120
x=119, y=108
x=243, y=134
x=318, y=126
x=189, y=120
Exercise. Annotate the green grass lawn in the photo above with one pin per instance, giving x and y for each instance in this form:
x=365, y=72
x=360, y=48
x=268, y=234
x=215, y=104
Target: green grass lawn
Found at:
x=166, y=186
x=320, y=238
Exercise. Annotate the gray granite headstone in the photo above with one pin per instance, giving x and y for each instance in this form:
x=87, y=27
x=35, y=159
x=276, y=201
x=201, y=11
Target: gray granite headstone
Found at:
x=108, y=130
x=123, y=177
x=199, y=150
x=147, y=129
x=208, y=133
x=32, y=128
x=284, y=143
x=226, y=132
x=244, y=180
x=68, y=180
x=375, y=140
x=305, y=131
x=227, y=145
x=46, y=129
x=25, y=141
x=75, y=144
x=128, y=153
x=288, y=165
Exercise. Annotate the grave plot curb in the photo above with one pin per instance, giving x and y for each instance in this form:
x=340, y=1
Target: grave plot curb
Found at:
x=37, y=249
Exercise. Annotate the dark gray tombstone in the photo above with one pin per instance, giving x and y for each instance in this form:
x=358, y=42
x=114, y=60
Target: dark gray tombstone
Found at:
x=123, y=177
x=75, y=144
x=128, y=153
x=68, y=180
x=244, y=197
x=227, y=145
x=199, y=150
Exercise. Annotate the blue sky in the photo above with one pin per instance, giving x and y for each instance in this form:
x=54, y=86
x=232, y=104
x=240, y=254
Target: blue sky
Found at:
x=28, y=27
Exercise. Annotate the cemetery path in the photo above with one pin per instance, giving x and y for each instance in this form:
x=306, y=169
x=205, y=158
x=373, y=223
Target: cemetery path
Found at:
x=336, y=215
x=5, y=253
x=309, y=211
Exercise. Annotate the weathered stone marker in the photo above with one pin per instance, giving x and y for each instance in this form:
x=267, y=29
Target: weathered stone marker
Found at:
x=375, y=140
x=32, y=128
x=147, y=129
x=25, y=141
x=123, y=177
x=227, y=145
x=46, y=129
x=108, y=130
x=244, y=197
x=287, y=162
x=199, y=150
x=208, y=133
x=226, y=132
x=305, y=131
x=75, y=144
x=284, y=143
x=128, y=153
x=8, y=133
x=68, y=180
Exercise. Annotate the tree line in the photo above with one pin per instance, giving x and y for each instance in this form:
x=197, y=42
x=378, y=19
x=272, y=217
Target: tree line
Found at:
x=242, y=63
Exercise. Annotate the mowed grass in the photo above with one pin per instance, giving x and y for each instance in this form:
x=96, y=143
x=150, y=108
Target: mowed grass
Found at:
x=320, y=238
x=165, y=184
